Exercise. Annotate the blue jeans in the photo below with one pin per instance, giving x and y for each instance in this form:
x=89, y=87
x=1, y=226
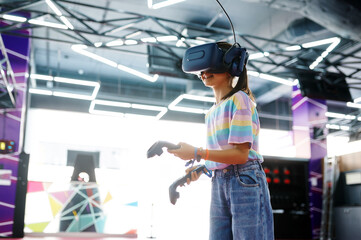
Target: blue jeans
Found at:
x=240, y=205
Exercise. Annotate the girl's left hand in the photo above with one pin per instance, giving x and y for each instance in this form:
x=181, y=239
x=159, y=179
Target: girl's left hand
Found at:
x=185, y=152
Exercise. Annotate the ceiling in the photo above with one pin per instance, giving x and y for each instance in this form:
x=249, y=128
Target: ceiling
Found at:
x=106, y=38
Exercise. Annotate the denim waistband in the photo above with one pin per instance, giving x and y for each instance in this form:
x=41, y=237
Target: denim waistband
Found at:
x=231, y=169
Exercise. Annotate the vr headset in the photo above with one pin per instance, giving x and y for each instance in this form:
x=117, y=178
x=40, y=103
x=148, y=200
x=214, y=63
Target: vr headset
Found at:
x=211, y=58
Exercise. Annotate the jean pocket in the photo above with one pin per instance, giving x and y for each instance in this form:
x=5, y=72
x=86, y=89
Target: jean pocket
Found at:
x=247, y=179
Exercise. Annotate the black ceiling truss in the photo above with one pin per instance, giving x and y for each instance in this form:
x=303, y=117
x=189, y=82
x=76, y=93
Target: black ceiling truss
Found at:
x=279, y=62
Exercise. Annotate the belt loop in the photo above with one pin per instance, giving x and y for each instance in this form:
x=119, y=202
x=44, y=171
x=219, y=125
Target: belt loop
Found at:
x=235, y=167
x=259, y=164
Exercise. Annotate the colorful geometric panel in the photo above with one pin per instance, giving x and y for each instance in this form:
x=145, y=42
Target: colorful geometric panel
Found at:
x=81, y=209
x=38, y=227
x=35, y=186
x=55, y=205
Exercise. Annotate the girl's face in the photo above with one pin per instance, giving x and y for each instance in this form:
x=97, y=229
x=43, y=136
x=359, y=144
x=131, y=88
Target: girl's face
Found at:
x=216, y=79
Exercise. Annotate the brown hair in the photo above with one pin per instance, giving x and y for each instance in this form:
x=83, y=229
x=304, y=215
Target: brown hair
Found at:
x=242, y=83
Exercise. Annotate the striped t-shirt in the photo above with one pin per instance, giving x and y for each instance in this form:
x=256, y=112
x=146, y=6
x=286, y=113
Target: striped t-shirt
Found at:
x=233, y=121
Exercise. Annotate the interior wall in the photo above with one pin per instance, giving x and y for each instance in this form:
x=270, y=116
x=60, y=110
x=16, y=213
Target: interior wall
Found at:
x=123, y=143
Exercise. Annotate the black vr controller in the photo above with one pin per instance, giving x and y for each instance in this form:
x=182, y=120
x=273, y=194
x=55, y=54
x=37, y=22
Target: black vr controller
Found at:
x=173, y=194
x=157, y=148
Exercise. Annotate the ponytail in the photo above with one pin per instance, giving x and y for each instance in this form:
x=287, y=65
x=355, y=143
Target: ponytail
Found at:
x=242, y=85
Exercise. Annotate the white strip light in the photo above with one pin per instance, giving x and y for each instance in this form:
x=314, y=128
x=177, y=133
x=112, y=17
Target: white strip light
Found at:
x=258, y=55
x=121, y=28
x=165, y=3
x=333, y=43
x=42, y=77
x=81, y=49
x=40, y=91
x=66, y=22
x=133, y=34
x=96, y=86
x=173, y=105
x=149, y=39
x=13, y=18
x=47, y=24
x=271, y=78
x=162, y=110
x=353, y=105
x=114, y=43
x=167, y=38
x=53, y=7
x=337, y=127
x=293, y=48
x=340, y=116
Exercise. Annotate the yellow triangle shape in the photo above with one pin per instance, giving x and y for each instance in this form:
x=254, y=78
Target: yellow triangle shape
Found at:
x=38, y=227
x=108, y=198
x=55, y=205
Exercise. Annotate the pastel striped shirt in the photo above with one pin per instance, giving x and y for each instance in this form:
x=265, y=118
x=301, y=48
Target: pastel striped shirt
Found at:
x=233, y=121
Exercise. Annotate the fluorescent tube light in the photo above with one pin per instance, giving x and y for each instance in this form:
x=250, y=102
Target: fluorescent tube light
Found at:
x=14, y=18
x=121, y=28
x=180, y=42
x=66, y=22
x=40, y=91
x=163, y=4
x=333, y=126
x=130, y=42
x=81, y=49
x=253, y=73
x=53, y=7
x=47, y=24
x=149, y=39
x=133, y=34
x=137, y=73
x=340, y=115
x=173, y=105
x=76, y=81
x=41, y=77
x=163, y=110
x=98, y=44
x=72, y=95
x=293, y=48
x=258, y=55
x=333, y=43
x=353, y=105
x=167, y=38
x=114, y=43
x=320, y=42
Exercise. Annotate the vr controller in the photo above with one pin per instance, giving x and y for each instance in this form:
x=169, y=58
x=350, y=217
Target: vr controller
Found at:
x=157, y=148
x=211, y=58
x=173, y=194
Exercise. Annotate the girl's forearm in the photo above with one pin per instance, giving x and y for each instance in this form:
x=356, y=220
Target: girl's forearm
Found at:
x=229, y=156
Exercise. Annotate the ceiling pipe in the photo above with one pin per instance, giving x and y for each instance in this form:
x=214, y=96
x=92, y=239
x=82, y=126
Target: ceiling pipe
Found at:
x=341, y=17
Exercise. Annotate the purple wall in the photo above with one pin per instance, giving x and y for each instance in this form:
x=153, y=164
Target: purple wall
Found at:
x=13, y=122
x=307, y=115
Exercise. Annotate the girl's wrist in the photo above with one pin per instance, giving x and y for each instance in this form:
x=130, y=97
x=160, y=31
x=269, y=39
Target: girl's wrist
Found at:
x=202, y=153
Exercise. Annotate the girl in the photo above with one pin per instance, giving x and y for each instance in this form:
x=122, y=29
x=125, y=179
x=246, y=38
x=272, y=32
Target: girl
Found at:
x=240, y=204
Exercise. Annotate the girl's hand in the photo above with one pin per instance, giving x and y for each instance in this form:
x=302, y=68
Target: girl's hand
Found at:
x=194, y=175
x=185, y=152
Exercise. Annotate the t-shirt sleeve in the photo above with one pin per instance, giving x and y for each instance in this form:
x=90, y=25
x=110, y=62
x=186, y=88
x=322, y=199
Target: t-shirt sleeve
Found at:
x=241, y=130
